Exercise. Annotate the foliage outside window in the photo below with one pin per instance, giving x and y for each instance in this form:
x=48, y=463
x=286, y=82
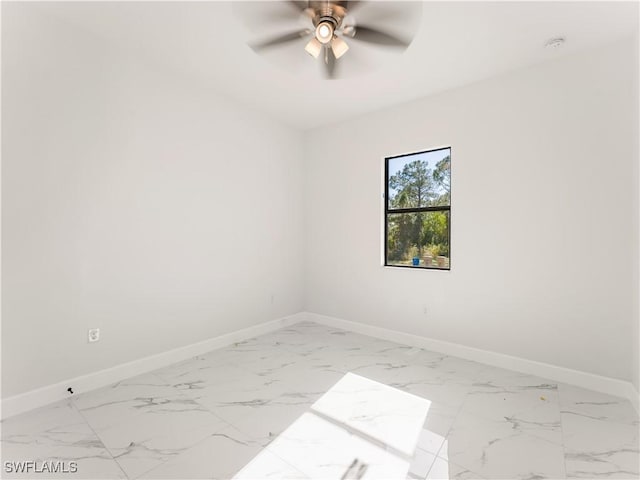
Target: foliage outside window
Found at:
x=418, y=210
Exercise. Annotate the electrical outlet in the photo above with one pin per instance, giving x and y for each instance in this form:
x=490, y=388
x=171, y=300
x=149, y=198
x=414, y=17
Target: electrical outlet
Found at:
x=93, y=335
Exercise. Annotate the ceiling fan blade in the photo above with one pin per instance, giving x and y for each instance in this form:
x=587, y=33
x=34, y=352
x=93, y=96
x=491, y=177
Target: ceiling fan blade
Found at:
x=373, y=35
x=281, y=39
x=329, y=63
x=385, y=11
x=298, y=5
x=287, y=14
x=257, y=14
x=353, y=5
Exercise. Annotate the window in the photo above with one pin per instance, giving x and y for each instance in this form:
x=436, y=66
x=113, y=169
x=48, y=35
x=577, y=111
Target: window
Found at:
x=418, y=210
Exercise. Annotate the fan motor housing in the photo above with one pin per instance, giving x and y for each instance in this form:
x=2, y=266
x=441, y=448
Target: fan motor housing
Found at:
x=333, y=12
x=334, y=23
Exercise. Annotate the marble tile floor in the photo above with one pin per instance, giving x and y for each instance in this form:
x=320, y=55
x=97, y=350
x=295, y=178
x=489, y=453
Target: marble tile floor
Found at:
x=261, y=409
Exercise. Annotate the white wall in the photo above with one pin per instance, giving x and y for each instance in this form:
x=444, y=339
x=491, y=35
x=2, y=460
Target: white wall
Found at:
x=635, y=336
x=136, y=202
x=132, y=202
x=542, y=215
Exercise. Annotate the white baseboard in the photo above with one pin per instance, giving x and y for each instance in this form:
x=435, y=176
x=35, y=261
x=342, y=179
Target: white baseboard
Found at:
x=611, y=386
x=43, y=396
x=52, y=393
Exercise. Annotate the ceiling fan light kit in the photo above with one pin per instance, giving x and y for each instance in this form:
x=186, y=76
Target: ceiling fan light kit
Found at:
x=314, y=47
x=331, y=22
x=324, y=32
x=339, y=46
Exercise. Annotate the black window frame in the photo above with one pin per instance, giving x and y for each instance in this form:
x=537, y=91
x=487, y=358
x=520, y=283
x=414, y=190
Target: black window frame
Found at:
x=388, y=211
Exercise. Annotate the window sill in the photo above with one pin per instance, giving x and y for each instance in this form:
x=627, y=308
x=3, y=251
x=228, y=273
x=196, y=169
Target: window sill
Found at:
x=418, y=267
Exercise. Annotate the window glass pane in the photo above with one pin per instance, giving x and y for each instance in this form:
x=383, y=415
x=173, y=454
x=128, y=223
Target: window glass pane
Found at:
x=420, y=180
x=418, y=239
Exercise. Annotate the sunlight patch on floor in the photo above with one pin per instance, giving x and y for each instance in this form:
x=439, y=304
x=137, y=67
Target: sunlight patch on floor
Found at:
x=359, y=427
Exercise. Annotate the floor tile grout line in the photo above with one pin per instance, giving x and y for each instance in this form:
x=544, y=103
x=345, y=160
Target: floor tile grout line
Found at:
x=273, y=374
x=137, y=415
x=462, y=404
x=564, y=447
x=446, y=436
x=283, y=460
x=166, y=461
x=99, y=438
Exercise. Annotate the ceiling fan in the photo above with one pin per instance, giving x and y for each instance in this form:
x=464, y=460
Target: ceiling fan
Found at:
x=328, y=24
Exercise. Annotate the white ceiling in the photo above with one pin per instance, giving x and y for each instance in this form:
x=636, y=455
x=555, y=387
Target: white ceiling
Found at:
x=455, y=43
